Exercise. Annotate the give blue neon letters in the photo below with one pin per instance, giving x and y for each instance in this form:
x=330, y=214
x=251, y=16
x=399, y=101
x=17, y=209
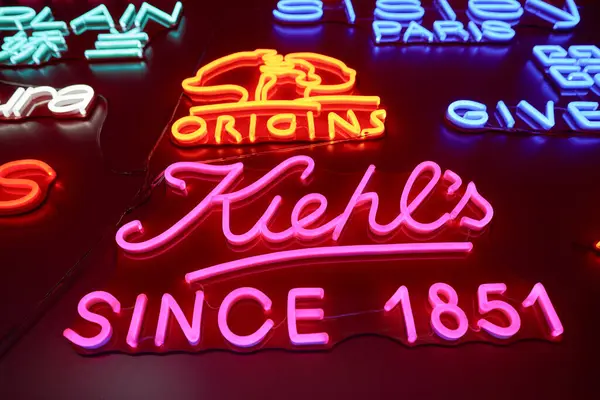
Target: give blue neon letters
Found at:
x=468, y=115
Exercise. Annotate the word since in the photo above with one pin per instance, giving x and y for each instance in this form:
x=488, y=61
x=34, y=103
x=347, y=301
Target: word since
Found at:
x=443, y=301
x=468, y=115
x=126, y=39
x=573, y=71
x=490, y=21
x=70, y=102
x=304, y=225
x=12, y=181
x=297, y=119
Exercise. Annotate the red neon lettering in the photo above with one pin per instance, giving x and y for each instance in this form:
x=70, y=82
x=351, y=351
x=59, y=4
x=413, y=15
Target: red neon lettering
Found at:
x=34, y=196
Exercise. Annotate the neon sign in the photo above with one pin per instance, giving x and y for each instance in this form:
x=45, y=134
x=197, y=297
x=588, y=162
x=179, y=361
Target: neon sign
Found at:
x=580, y=116
x=573, y=72
x=303, y=228
x=301, y=11
x=47, y=40
x=30, y=194
x=235, y=114
x=563, y=19
x=489, y=21
x=72, y=101
x=389, y=30
x=173, y=323
x=448, y=305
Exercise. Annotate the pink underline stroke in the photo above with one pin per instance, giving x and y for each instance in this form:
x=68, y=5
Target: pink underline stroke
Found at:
x=318, y=252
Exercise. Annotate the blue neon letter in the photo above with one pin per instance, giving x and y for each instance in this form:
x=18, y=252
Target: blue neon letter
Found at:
x=498, y=10
x=562, y=19
x=386, y=31
x=585, y=54
x=546, y=122
x=416, y=32
x=507, y=118
x=584, y=115
x=399, y=10
x=474, y=116
x=447, y=31
x=302, y=11
x=497, y=31
x=575, y=79
x=551, y=54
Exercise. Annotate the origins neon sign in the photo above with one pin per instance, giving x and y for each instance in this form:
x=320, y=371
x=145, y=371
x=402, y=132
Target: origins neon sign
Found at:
x=225, y=113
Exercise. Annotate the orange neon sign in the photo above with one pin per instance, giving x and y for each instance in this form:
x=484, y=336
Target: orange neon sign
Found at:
x=296, y=97
x=28, y=192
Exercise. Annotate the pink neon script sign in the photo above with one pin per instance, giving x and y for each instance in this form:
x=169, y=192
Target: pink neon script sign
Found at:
x=304, y=225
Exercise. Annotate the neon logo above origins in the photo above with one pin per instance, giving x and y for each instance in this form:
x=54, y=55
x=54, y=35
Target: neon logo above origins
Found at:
x=47, y=39
x=580, y=116
x=575, y=71
x=72, y=101
x=12, y=180
x=313, y=115
x=306, y=228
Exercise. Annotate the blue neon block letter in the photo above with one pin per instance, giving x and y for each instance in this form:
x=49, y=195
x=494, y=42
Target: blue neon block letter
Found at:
x=300, y=11
x=474, y=114
x=399, y=10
